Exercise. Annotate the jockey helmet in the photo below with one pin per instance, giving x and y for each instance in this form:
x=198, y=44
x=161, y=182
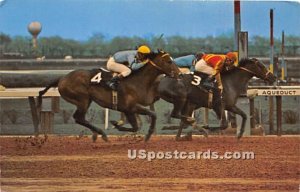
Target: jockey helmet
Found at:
x=232, y=56
x=144, y=49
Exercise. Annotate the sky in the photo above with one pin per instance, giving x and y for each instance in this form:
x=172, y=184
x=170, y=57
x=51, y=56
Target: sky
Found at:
x=81, y=19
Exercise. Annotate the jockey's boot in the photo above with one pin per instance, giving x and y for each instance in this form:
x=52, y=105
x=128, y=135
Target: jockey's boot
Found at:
x=208, y=83
x=113, y=83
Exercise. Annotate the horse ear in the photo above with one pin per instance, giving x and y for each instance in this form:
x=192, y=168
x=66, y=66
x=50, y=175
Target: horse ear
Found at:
x=160, y=51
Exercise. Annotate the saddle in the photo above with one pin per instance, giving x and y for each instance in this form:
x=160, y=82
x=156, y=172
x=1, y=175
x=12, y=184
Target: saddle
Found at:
x=102, y=76
x=200, y=80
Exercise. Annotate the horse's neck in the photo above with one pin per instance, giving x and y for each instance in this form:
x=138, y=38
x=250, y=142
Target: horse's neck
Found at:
x=236, y=81
x=146, y=75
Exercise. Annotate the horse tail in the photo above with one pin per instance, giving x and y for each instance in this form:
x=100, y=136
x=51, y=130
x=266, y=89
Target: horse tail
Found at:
x=42, y=92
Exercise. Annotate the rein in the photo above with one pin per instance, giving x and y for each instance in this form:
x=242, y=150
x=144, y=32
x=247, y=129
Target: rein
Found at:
x=155, y=65
x=245, y=69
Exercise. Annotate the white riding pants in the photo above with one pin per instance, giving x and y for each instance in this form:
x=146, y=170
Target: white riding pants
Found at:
x=203, y=67
x=112, y=65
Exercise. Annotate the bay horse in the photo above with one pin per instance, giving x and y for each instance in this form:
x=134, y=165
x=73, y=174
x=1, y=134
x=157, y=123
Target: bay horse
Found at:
x=135, y=92
x=187, y=97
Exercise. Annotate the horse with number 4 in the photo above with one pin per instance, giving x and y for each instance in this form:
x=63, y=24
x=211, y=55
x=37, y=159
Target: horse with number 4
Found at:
x=134, y=94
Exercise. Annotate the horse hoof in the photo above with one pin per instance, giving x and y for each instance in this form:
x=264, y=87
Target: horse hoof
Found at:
x=239, y=136
x=94, y=137
x=147, y=137
x=204, y=132
x=120, y=123
x=205, y=127
x=105, y=138
x=184, y=138
x=114, y=123
x=189, y=136
x=191, y=120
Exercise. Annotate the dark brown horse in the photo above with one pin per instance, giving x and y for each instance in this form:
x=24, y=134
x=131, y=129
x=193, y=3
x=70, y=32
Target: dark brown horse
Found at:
x=135, y=92
x=187, y=97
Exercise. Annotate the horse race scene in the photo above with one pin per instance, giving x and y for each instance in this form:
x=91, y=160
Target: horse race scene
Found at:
x=149, y=95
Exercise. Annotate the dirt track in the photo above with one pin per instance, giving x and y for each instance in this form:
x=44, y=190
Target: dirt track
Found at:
x=73, y=164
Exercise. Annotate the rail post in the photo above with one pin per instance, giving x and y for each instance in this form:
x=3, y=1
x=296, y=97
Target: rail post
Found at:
x=252, y=113
x=34, y=114
x=46, y=116
x=271, y=103
x=279, y=114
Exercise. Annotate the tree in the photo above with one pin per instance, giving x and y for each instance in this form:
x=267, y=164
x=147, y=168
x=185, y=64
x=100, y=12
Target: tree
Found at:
x=4, y=41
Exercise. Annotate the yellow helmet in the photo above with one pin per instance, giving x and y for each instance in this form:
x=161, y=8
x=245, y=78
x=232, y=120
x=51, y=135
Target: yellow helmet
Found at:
x=144, y=49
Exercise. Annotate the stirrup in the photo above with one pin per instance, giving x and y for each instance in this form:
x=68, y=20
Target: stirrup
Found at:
x=112, y=85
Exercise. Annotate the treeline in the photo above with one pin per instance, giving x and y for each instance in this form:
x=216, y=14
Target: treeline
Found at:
x=99, y=46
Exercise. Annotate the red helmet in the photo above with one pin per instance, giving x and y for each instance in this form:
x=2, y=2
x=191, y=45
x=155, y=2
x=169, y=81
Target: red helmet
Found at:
x=232, y=56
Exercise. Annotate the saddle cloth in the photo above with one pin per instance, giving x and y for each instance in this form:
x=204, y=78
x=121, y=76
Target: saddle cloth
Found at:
x=200, y=81
x=100, y=76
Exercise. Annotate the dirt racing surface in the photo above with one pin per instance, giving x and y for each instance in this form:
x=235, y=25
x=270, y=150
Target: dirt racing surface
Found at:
x=73, y=164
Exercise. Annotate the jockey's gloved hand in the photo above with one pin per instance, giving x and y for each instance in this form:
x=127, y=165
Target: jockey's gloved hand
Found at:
x=211, y=78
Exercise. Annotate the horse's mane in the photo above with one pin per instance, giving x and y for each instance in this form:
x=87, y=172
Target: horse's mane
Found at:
x=150, y=56
x=244, y=61
x=153, y=54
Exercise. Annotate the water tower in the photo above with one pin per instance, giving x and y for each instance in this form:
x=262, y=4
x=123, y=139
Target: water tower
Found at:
x=34, y=29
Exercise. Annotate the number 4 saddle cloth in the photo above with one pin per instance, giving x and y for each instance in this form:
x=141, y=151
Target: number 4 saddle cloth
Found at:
x=100, y=76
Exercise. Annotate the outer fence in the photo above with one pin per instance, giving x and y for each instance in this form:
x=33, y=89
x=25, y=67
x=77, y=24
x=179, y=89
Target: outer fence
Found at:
x=43, y=118
x=43, y=115
x=271, y=91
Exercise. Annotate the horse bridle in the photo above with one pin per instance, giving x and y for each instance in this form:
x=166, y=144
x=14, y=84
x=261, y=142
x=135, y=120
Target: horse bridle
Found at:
x=256, y=61
x=155, y=65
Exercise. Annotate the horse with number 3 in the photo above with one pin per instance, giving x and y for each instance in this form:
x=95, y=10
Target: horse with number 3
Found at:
x=187, y=95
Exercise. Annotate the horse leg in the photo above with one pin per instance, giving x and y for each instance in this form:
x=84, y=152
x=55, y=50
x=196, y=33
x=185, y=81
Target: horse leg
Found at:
x=79, y=117
x=178, y=114
x=182, y=125
x=177, y=107
x=122, y=119
x=238, y=111
x=131, y=117
x=186, y=118
x=188, y=110
x=220, y=112
x=145, y=111
x=139, y=120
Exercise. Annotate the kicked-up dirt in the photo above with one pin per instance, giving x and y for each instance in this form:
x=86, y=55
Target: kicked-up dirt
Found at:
x=76, y=164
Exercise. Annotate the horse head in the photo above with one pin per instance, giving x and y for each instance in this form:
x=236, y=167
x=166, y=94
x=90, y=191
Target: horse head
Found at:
x=164, y=62
x=257, y=69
